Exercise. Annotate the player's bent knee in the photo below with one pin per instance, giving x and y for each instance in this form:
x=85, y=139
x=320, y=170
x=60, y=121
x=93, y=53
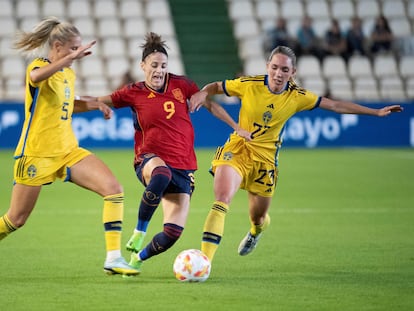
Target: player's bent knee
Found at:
x=112, y=188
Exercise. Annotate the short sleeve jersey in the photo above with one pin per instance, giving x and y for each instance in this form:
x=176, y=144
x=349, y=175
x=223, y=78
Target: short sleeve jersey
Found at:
x=47, y=129
x=265, y=113
x=162, y=122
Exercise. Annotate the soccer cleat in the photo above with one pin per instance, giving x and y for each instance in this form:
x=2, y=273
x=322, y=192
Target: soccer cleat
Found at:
x=134, y=243
x=135, y=262
x=119, y=266
x=248, y=244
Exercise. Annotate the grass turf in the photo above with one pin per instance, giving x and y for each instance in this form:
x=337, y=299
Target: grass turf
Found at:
x=341, y=238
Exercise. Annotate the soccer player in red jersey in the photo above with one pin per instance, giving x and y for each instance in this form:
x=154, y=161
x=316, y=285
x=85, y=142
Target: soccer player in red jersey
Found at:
x=165, y=159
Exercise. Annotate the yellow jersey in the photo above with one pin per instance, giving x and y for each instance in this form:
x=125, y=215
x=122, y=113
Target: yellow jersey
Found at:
x=47, y=129
x=264, y=113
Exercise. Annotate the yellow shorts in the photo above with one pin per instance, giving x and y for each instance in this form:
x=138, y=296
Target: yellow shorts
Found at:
x=258, y=177
x=36, y=171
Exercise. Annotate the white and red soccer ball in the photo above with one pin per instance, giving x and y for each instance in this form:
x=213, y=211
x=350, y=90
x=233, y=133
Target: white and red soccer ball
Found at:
x=192, y=265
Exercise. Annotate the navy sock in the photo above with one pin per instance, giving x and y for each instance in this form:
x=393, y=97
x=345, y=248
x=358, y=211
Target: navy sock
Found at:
x=160, y=178
x=162, y=241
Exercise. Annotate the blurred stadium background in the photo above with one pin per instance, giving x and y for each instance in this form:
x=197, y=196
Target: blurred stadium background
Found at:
x=217, y=39
x=344, y=243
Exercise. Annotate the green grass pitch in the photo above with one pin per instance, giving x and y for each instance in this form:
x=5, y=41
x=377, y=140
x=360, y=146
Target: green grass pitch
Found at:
x=341, y=238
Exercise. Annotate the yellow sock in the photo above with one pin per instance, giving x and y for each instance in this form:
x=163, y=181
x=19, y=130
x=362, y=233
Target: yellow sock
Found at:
x=257, y=229
x=213, y=229
x=113, y=213
x=6, y=226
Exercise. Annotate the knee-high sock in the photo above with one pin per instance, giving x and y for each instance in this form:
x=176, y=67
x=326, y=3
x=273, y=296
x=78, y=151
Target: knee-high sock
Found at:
x=213, y=229
x=160, y=178
x=162, y=241
x=257, y=229
x=113, y=213
x=6, y=226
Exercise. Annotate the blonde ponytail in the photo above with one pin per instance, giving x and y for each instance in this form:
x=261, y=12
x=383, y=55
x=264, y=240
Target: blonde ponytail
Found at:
x=40, y=39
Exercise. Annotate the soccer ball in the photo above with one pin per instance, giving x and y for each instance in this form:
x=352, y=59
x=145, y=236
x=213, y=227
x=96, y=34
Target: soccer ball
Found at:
x=191, y=265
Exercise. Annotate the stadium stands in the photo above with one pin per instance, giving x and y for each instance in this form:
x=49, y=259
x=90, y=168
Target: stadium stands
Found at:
x=378, y=77
x=119, y=27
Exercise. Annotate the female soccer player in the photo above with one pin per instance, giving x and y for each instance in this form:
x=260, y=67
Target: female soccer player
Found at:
x=165, y=160
x=248, y=160
x=48, y=148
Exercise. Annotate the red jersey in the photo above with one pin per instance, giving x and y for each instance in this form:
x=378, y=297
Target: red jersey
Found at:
x=161, y=119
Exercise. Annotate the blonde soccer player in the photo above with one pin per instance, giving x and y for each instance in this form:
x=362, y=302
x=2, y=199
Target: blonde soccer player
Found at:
x=48, y=149
x=249, y=159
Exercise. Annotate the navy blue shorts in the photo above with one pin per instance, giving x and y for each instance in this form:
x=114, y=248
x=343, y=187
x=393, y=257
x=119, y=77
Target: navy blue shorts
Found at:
x=182, y=181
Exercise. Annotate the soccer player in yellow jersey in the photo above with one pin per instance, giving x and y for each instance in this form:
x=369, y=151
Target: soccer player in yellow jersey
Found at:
x=248, y=160
x=48, y=148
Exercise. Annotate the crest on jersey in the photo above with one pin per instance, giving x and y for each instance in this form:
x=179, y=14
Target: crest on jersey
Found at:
x=31, y=171
x=178, y=95
x=227, y=156
x=67, y=91
x=267, y=116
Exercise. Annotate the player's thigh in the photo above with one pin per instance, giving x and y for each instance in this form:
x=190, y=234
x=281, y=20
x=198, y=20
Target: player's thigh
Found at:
x=230, y=171
x=227, y=180
x=176, y=207
x=93, y=174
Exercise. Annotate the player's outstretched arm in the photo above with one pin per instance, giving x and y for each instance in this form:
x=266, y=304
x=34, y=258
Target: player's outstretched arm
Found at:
x=199, y=99
x=88, y=103
x=43, y=73
x=220, y=113
x=346, y=107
